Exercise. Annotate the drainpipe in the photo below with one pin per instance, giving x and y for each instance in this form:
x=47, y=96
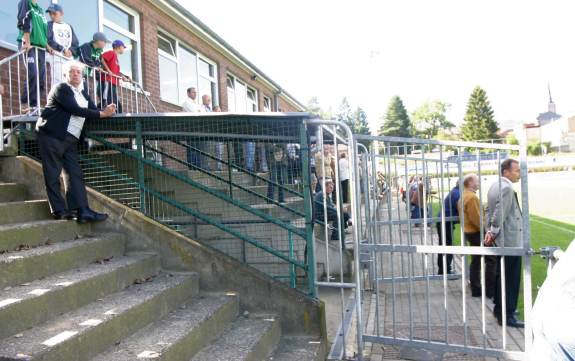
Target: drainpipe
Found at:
x=277, y=100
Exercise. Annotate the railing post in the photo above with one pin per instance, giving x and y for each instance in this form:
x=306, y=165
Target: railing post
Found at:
x=230, y=169
x=292, y=271
x=307, y=199
x=141, y=156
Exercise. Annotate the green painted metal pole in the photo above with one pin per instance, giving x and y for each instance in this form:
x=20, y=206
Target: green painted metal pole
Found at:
x=307, y=200
x=141, y=156
x=292, y=267
x=230, y=168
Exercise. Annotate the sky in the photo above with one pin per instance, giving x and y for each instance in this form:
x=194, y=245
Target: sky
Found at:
x=370, y=50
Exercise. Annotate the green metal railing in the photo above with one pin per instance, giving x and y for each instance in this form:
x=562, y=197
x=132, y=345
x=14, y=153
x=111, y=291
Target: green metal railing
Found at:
x=208, y=176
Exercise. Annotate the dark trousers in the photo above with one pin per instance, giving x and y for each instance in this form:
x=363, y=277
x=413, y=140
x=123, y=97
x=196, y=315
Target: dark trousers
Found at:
x=110, y=96
x=345, y=190
x=512, y=283
x=238, y=153
x=278, y=174
x=57, y=155
x=32, y=58
x=345, y=217
x=194, y=155
x=474, y=239
x=448, y=242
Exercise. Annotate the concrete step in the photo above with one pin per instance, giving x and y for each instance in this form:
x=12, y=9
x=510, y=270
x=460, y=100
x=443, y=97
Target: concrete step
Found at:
x=82, y=334
x=31, y=264
x=13, y=192
x=24, y=211
x=248, y=339
x=36, y=302
x=297, y=348
x=38, y=233
x=181, y=334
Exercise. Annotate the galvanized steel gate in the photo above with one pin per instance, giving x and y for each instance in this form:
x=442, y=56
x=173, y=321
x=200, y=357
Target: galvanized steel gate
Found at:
x=405, y=296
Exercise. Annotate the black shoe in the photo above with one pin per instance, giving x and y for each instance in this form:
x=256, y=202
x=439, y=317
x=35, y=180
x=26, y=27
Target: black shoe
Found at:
x=88, y=216
x=512, y=321
x=475, y=292
x=65, y=214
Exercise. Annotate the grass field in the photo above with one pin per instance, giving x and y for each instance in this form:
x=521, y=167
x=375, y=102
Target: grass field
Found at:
x=544, y=232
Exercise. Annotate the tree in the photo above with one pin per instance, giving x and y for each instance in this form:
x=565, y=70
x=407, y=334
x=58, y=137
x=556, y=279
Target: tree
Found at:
x=430, y=117
x=315, y=109
x=344, y=113
x=396, y=122
x=479, y=123
x=356, y=120
x=360, y=123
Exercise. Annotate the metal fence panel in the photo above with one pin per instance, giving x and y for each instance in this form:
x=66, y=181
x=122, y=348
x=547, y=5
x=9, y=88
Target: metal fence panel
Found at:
x=422, y=263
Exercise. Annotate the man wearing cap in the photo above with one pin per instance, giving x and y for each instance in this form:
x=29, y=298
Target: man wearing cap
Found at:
x=62, y=41
x=90, y=54
x=111, y=64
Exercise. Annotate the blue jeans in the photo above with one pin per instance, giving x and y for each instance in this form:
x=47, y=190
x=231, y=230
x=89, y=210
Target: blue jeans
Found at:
x=278, y=174
x=220, y=155
x=250, y=155
x=263, y=158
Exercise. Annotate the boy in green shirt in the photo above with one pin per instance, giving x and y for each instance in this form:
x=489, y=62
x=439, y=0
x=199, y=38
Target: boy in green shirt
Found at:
x=33, y=33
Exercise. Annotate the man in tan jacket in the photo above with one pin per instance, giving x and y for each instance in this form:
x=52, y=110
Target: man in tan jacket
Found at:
x=470, y=217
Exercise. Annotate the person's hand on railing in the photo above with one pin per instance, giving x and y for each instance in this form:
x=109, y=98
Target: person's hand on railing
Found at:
x=108, y=111
x=26, y=41
x=68, y=53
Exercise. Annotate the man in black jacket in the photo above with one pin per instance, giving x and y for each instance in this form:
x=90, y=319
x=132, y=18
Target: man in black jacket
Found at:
x=59, y=130
x=331, y=212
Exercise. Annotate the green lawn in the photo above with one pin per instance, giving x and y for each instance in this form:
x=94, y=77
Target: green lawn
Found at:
x=544, y=232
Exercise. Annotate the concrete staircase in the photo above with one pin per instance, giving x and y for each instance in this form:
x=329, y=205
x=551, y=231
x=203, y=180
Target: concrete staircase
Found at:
x=70, y=292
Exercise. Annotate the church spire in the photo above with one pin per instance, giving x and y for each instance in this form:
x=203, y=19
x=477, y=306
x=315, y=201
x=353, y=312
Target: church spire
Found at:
x=551, y=106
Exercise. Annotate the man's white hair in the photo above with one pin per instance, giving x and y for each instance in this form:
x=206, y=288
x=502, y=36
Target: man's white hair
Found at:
x=70, y=65
x=471, y=177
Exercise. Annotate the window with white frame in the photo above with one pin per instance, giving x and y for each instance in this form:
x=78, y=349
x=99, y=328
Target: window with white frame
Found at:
x=241, y=98
x=119, y=22
x=267, y=104
x=181, y=68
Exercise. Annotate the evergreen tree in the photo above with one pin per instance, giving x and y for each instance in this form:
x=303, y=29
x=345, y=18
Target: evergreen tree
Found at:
x=479, y=123
x=396, y=122
x=360, y=123
x=344, y=113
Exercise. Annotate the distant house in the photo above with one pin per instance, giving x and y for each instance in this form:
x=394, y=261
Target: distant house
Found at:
x=549, y=127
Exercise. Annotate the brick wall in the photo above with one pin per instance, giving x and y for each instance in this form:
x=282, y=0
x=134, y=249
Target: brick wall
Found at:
x=151, y=19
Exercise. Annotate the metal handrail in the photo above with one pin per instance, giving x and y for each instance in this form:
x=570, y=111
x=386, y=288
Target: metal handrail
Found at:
x=97, y=76
x=13, y=56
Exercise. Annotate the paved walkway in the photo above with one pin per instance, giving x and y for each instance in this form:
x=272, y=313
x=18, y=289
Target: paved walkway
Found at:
x=419, y=310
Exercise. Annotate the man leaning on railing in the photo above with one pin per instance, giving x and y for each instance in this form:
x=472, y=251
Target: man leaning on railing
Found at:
x=60, y=128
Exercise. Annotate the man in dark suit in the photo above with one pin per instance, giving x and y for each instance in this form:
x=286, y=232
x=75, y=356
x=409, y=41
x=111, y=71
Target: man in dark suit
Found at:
x=59, y=131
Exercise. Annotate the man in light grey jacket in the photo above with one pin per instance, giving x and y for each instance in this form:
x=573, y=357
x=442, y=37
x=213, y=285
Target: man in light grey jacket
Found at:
x=505, y=230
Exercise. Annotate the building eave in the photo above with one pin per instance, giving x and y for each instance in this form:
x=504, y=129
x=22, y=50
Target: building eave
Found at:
x=192, y=23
